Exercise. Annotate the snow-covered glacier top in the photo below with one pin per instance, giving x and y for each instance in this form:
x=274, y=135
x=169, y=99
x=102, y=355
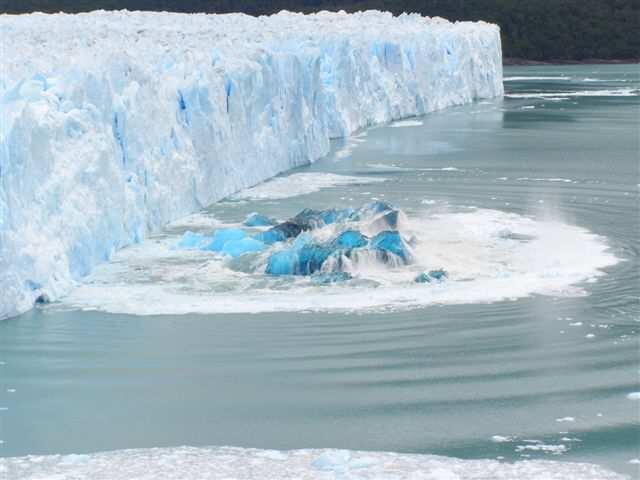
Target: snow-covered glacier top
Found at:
x=114, y=123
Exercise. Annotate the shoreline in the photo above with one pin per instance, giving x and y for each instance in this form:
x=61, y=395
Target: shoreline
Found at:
x=524, y=62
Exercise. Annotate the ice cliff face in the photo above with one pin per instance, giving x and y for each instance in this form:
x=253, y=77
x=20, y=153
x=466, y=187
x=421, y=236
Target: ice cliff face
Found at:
x=114, y=123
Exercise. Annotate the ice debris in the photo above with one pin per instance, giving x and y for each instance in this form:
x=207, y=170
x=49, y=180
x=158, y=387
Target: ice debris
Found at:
x=430, y=276
x=256, y=220
x=294, y=250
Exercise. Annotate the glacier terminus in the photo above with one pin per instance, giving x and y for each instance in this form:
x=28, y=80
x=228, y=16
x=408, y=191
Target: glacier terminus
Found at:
x=115, y=123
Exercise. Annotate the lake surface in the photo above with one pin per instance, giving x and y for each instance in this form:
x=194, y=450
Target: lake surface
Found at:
x=528, y=350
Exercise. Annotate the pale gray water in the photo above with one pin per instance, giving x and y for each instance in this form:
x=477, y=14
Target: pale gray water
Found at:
x=439, y=379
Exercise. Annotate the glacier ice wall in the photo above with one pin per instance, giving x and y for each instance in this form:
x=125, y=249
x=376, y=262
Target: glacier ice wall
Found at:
x=114, y=123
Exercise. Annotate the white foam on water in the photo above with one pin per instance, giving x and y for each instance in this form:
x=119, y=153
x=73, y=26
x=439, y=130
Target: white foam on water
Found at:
x=565, y=419
x=383, y=166
x=634, y=396
x=306, y=464
x=406, y=123
x=618, y=92
x=610, y=80
x=541, y=447
x=501, y=439
x=300, y=184
x=489, y=256
x=524, y=79
x=556, y=179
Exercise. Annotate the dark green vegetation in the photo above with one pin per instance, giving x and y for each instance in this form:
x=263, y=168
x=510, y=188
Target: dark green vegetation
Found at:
x=531, y=29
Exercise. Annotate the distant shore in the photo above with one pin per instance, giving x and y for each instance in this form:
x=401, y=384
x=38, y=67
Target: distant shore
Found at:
x=586, y=61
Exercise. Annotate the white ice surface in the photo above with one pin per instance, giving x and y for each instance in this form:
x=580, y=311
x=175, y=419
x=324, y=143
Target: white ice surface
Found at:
x=533, y=78
x=614, y=92
x=219, y=463
x=406, y=123
x=115, y=123
x=300, y=184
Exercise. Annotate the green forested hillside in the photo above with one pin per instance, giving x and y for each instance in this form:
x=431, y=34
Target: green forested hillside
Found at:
x=531, y=29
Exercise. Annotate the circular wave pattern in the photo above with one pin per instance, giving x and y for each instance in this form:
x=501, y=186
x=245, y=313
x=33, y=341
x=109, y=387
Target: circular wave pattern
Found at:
x=487, y=255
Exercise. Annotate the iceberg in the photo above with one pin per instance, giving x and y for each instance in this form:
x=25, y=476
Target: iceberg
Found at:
x=101, y=145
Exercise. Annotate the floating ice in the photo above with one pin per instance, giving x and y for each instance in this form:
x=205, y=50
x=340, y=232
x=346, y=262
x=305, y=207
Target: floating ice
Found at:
x=235, y=248
x=390, y=242
x=298, y=261
x=501, y=439
x=222, y=237
x=300, y=184
x=193, y=240
x=256, y=220
x=309, y=464
x=280, y=232
x=97, y=152
x=431, y=276
x=349, y=239
x=541, y=447
x=307, y=256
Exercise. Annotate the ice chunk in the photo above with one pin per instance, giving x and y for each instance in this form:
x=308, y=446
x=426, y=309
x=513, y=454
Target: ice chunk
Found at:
x=298, y=261
x=430, y=276
x=376, y=207
x=256, y=220
x=193, y=240
x=222, y=236
x=309, y=218
x=235, y=248
x=279, y=233
x=389, y=241
x=349, y=239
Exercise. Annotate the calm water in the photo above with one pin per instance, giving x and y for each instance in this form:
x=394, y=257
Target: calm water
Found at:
x=543, y=370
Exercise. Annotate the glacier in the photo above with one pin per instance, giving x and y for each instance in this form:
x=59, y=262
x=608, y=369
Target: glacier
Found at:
x=114, y=123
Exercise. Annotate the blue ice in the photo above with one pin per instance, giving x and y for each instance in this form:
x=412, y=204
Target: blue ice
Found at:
x=193, y=240
x=433, y=275
x=222, y=236
x=235, y=248
x=391, y=242
x=257, y=220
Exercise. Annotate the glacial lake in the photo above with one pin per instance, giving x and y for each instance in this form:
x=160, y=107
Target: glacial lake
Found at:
x=528, y=351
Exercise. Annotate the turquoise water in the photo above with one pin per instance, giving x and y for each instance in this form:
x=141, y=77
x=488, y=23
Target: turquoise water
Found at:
x=484, y=367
